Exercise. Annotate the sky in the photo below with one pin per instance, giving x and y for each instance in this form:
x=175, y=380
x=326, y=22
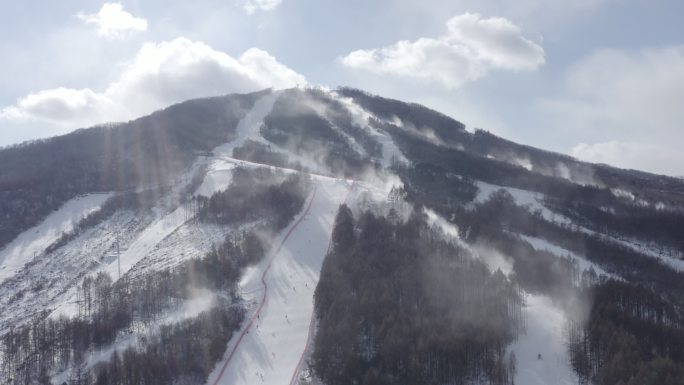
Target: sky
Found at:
x=601, y=80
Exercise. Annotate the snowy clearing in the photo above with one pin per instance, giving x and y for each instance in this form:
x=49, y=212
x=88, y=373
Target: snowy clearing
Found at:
x=544, y=324
x=248, y=128
x=34, y=241
x=543, y=244
x=527, y=198
x=664, y=254
x=360, y=117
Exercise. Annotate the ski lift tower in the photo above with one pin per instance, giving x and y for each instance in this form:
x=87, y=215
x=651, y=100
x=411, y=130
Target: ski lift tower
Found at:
x=118, y=254
x=109, y=258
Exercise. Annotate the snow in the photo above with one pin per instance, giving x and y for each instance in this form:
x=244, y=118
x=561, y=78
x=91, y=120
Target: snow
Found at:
x=218, y=178
x=390, y=150
x=531, y=199
x=494, y=259
x=629, y=196
x=449, y=229
x=191, y=240
x=202, y=300
x=544, y=325
x=620, y=193
x=543, y=244
x=146, y=242
x=360, y=118
x=248, y=128
x=524, y=163
x=34, y=241
x=41, y=285
x=668, y=256
x=229, y=162
x=271, y=348
x=85, y=255
x=544, y=335
x=544, y=322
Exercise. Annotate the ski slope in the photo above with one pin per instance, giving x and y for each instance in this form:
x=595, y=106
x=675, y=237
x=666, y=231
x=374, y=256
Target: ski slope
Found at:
x=248, y=128
x=34, y=241
x=360, y=118
x=146, y=241
x=582, y=263
x=280, y=289
x=531, y=199
x=544, y=335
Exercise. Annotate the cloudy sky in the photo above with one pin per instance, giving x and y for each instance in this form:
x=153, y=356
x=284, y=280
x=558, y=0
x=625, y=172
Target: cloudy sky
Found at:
x=602, y=80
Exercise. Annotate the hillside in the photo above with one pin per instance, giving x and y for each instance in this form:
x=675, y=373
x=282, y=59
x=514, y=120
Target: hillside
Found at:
x=331, y=237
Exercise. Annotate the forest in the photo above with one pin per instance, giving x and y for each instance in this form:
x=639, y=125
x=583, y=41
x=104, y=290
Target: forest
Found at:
x=632, y=337
x=295, y=125
x=256, y=195
x=109, y=310
x=442, y=174
x=38, y=177
x=398, y=304
x=257, y=152
x=631, y=330
x=421, y=120
x=180, y=352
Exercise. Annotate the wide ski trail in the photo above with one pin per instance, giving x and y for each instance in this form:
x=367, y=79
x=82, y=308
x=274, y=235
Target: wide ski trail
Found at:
x=268, y=348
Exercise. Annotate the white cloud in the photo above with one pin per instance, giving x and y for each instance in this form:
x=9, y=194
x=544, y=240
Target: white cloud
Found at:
x=113, y=22
x=614, y=90
x=636, y=96
x=639, y=156
x=252, y=6
x=160, y=74
x=471, y=48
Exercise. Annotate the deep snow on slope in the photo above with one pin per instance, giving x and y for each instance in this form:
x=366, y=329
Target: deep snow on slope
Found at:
x=583, y=264
x=271, y=348
x=527, y=198
x=248, y=128
x=666, y=255
x=218, y=177
x=544, y=335
x=145, y=242
x=34, y=241
x=544, y=321
x=48, y=281
x=360, y=118
x=138, y=234
x=191, y=240
x=202, y=300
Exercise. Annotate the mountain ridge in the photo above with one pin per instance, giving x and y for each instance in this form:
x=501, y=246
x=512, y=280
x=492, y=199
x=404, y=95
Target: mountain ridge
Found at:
x=208, y=185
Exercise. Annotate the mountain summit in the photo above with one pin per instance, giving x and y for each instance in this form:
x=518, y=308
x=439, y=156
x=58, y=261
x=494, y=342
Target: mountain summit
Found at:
x=337, y=237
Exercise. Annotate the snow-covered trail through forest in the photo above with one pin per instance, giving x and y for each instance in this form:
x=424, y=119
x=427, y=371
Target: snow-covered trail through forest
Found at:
x=541, y=352
x=269, y=346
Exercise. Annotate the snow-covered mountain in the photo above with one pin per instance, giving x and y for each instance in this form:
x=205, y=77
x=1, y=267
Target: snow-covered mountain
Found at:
x=313, y=236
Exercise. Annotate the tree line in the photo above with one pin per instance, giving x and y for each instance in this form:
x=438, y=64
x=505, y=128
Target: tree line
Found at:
x=398, y=303
x=106, y=310
x=38, y=177
x=257, y=194
x=631, y=337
